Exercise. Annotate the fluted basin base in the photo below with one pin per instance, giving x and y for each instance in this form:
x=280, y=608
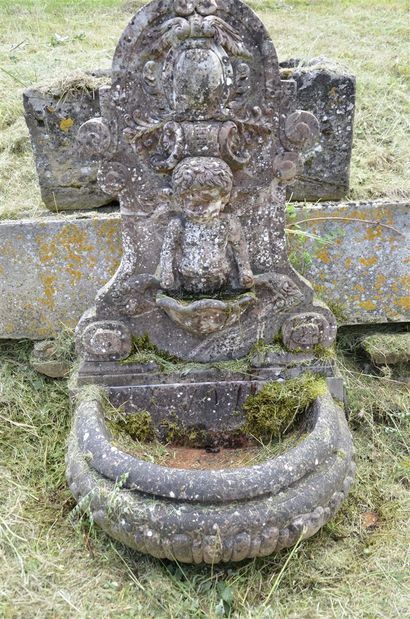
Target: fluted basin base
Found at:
x=211, y=516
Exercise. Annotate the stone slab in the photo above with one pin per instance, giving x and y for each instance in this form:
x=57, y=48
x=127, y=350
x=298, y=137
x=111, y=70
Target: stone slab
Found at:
x=51, y=267
x=359, y=260
x=54, y=112
x=328, y=91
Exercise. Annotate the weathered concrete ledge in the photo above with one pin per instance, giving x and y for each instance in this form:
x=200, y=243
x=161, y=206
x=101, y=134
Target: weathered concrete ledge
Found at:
x=51, y=267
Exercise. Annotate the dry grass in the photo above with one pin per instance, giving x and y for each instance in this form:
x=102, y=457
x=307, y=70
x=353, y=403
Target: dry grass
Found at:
x=43, y=39
x=55, y=564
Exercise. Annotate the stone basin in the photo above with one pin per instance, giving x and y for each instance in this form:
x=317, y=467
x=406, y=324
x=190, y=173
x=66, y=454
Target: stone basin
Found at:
x=206, y=316
x=211, y=516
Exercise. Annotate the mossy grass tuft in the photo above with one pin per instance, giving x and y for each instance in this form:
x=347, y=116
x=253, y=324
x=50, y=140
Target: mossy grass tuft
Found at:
x=385, y=348
x=274, y=409
x=138, y=426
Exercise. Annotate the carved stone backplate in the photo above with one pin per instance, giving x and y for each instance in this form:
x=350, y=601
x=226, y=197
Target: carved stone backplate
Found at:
x=199, y=136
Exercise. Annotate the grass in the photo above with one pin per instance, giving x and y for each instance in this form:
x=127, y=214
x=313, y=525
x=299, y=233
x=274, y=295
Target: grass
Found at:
x=54, y=563
x=381, y=347
x=43, y=39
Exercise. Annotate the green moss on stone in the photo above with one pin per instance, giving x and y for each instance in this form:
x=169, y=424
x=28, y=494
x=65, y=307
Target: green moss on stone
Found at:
x=323, y=352
x=175, y=432
x=271, y=412
x=138, y=426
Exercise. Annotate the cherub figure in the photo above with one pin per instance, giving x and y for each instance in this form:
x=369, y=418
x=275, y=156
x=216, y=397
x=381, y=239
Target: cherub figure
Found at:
x=204, y=248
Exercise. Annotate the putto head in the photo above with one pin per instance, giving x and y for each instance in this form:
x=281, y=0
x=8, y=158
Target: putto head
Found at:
x=202, y=186
x=199, y=174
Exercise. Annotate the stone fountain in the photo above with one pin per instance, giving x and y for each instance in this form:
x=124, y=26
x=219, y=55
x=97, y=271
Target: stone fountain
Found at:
x=199, y=137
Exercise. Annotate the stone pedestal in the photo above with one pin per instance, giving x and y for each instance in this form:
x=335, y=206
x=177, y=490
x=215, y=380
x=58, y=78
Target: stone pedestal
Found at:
x=54, y=112
x=329, y=92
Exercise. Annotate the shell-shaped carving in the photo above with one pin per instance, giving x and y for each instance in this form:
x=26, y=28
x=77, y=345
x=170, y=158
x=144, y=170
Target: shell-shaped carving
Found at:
x=94, y=137
x=301, y=128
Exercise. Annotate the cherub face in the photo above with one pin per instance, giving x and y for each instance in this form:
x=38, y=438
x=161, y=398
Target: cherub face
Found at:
x=204, y=204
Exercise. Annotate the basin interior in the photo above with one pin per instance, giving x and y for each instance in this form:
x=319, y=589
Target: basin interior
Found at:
x=260, y=421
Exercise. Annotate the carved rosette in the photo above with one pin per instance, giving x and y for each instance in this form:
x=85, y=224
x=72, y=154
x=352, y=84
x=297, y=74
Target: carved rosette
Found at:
x=306, y=330
x=105, y=340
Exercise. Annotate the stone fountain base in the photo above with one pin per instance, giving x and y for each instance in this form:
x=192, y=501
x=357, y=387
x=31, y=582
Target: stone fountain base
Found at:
x=211, y=516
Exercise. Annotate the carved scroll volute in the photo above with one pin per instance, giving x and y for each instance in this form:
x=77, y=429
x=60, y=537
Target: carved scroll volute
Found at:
x=301, y=129
x=298, y=132
x=94, y=138
x=97, y=139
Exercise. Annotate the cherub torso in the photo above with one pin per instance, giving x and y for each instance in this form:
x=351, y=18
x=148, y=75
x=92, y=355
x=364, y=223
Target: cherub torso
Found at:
x=204, y=264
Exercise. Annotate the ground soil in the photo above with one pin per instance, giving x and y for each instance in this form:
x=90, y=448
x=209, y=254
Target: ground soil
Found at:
x=195, y=458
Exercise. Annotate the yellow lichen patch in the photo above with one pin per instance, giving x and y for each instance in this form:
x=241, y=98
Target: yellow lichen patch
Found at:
x=48, y=282
x=404, y=303
x=108, y=233
x=380, y=281
x=348, y=262
x=333, y=92
x=47, y=249
x=358, y=287
x=373, y=232
x=66, y=124
x=75, y=243
x=323, y=255
x=368, y=262
x=405, y=281
x=368, y=305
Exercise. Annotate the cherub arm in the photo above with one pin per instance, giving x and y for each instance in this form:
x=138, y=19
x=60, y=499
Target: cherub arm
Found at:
x=168, y=250
x=240, y=251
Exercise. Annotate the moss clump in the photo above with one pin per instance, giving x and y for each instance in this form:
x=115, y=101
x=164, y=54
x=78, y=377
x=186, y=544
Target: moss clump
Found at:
x=138, y=426
x=174, y=431
x=261, y=347
x=271, y=411
x=321, y=352
x=144, y=351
